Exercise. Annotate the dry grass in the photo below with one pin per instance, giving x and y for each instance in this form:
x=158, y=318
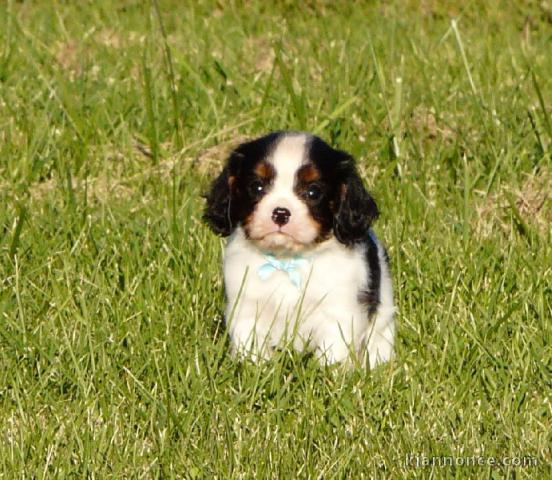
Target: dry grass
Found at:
x=532, y=201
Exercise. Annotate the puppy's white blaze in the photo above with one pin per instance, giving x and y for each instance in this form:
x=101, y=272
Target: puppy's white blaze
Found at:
x=288, y=156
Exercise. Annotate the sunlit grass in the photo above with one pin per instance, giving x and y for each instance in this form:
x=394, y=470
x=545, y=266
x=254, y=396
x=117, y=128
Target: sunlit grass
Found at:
x=116, y=115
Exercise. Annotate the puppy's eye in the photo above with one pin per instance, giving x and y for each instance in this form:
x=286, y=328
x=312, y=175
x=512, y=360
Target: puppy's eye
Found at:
x=256, y=187
x=313, y=192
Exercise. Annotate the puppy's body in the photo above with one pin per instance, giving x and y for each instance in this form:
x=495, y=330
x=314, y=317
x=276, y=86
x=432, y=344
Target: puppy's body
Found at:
x=326, y=313
x=302, y=264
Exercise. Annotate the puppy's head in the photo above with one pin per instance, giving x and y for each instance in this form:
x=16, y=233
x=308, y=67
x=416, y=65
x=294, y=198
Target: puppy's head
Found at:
x=290, y=191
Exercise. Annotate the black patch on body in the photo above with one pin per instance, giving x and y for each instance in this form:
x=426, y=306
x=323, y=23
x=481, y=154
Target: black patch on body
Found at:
x=370, y=297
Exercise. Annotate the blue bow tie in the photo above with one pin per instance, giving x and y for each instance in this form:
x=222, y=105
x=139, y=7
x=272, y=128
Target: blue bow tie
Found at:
x=291, y=266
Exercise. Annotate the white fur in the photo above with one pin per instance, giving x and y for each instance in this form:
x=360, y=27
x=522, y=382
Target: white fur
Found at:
x=324, y=314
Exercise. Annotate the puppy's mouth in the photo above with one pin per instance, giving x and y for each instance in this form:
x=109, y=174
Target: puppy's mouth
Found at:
x=275, y=232
x=278, y=240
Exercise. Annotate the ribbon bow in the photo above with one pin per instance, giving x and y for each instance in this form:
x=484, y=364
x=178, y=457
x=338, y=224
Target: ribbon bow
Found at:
x=291, y=266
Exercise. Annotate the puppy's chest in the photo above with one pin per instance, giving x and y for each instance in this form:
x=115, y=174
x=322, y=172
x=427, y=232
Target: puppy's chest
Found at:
x=310, y=280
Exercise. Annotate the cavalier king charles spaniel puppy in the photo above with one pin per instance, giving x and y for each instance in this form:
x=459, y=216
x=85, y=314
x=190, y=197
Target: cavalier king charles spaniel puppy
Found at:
x=302, y=265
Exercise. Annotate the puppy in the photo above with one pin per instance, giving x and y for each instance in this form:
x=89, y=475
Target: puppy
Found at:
x=301, y=266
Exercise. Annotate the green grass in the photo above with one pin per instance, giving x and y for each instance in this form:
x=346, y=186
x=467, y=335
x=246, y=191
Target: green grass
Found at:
x=113, y=358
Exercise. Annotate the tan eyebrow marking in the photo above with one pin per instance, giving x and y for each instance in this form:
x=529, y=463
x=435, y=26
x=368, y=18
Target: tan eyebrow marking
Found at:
x=308, y=173
x=264, y=170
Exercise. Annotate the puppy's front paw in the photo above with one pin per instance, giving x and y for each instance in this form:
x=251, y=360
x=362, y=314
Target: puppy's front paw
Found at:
x=247, y=342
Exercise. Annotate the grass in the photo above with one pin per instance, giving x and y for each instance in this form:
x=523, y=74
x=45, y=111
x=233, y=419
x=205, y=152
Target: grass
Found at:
x=115, y=116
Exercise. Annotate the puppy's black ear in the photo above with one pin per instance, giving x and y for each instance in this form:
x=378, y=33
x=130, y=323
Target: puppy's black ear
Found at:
x=355, y=209
x=217, y=212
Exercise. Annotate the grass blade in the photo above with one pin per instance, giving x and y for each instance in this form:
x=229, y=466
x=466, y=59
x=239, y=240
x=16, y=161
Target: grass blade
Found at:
x=21, y=217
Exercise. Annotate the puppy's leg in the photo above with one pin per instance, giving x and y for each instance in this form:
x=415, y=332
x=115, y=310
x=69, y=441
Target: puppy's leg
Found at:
x=249, y=339
x=336, y=342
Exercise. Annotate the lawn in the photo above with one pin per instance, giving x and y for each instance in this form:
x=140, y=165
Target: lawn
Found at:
x=115, y=116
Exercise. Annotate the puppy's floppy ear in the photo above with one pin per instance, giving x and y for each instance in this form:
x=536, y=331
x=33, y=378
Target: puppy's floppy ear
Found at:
x=355, y=209
x=217, y=212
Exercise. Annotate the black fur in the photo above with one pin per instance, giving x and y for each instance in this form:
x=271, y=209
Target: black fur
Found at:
x=356, y=212
x=217, y=213
x=370, y=297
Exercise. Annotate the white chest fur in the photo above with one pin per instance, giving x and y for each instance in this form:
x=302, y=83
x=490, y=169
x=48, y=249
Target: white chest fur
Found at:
x=323, y=312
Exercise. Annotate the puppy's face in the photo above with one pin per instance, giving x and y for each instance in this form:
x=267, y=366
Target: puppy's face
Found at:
x=290, y=191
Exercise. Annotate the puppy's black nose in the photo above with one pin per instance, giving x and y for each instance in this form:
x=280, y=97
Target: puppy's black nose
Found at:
x=280, y=216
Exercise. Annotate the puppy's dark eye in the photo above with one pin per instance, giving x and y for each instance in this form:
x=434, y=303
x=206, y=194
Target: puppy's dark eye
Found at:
x=256, y=187
x=313, y=192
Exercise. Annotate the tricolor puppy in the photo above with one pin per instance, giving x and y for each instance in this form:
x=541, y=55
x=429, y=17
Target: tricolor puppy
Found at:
x=302, y=265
